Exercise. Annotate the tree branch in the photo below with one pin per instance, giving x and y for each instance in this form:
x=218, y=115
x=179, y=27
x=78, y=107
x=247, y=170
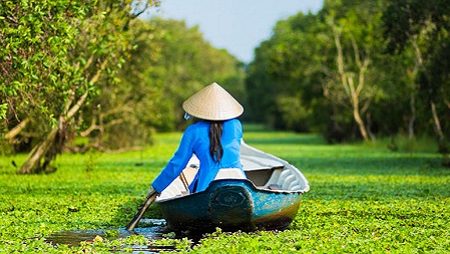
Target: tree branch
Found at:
x=356, y=52
x=362, y=76
x=91, y=128
x=135, y=15
x=82, y=99
x=17, y=129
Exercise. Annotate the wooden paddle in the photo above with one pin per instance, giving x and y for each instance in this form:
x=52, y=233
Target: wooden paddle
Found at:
x=151, y=196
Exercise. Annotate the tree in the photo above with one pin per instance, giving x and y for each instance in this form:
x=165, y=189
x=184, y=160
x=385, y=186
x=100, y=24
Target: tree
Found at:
x=56, y=54
x=324, y=66
x=125, y=112
x=425, y=27
x=287, y=70
x=187, y=63
x=355, y=39
x=168, y=62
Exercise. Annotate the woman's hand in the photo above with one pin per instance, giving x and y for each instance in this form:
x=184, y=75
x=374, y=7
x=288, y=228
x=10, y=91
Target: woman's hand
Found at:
x=152, y=191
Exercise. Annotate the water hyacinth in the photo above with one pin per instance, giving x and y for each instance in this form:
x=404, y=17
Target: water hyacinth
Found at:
x=363, y=198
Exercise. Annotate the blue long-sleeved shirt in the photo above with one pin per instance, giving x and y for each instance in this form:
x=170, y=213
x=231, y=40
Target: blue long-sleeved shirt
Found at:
x=195, y=140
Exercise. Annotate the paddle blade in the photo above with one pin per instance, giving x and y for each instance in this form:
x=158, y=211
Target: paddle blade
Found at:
x=148, y=201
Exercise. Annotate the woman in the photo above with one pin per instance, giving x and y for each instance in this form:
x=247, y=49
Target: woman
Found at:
x=215, y=139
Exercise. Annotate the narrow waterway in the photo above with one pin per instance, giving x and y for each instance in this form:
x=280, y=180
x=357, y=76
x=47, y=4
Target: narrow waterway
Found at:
x=153, y=229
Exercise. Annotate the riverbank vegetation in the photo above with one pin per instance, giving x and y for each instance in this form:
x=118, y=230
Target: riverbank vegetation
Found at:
x=79, y=75
x=357, y=70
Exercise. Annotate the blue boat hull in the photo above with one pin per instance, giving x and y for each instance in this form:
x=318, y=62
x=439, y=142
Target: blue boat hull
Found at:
x=231, y=204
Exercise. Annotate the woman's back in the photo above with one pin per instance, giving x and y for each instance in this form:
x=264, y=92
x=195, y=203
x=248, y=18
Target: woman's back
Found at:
x=230, y=141
x=215, y=140
x=196, y=141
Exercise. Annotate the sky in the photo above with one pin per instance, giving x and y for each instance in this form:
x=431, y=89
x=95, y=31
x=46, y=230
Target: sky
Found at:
x=236, y=25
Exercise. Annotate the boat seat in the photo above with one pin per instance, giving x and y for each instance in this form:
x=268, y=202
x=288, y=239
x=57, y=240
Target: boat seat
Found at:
x=230, y=173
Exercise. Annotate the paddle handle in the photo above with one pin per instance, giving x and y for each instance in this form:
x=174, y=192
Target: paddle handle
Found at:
x=184, y=181
x=148, y=201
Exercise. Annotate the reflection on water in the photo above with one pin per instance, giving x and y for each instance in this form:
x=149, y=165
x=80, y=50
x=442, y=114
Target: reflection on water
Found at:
x=152, y=229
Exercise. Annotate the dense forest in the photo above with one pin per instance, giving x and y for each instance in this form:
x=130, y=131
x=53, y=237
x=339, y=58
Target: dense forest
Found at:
x=80, y=75
x=357, y=70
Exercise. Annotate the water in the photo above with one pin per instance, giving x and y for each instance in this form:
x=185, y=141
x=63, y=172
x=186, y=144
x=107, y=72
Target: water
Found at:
x=154, y=229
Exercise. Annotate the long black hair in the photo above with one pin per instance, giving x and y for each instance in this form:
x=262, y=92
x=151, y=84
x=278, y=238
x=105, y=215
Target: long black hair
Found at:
x=215, y=134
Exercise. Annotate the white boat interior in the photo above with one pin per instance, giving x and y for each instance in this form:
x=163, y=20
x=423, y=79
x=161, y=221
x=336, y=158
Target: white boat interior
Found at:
x=264, y=170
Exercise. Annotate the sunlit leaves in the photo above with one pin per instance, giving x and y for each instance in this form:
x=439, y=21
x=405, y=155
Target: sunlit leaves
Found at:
x=53, y=53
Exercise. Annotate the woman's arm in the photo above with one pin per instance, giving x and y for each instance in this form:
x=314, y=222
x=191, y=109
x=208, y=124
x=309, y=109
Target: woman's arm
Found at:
x=177, y=163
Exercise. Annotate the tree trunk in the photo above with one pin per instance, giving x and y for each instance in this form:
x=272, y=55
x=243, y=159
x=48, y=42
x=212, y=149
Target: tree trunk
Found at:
x=34, y=163
x=413, y=76
x=369, y=127
x=17, y=129
x=437, y=122
x=347, y=81
x=442, y=142
x=358, y=119
x=412, y=118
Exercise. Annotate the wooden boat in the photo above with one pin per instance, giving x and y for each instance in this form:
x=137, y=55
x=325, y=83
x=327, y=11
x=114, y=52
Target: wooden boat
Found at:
x=267, y=197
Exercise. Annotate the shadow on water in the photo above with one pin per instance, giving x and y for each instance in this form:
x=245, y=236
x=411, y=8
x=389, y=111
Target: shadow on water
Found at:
x=151, y=229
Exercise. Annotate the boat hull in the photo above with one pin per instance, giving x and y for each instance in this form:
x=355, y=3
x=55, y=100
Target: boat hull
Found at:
x=231, y=204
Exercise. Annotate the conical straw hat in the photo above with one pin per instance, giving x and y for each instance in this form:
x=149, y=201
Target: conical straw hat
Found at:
x=213, y=103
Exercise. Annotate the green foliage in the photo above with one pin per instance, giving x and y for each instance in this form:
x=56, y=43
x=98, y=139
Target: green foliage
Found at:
x=363, y=198
x=56, y=56
x=295, y=82
x=48, y=45
x=298, y=63
x=187, y=63
x=91, y=191
x=293, y=113
x=125, y=112
x=146, y=63
x=424, y=28
x=168, y=62
x=60, y=59
x=38, y=37
x=285, y=69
